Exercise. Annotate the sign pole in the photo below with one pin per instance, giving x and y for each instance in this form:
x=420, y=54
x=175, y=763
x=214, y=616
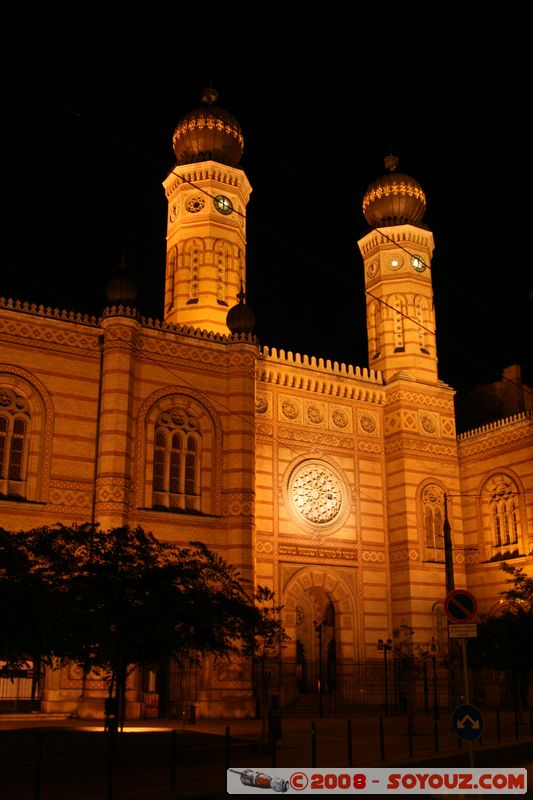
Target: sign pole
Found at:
x=467, y=696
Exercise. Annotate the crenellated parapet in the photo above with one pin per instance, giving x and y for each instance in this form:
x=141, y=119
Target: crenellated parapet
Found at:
x=416, y=236
x=497, y=425
x=208, y=171
x=311, y=374
x=77, y=317
x=47, y=311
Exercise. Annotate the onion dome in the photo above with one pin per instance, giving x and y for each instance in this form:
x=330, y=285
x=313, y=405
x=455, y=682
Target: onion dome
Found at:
x=208, y=133
x=394, y=199
x=240, y=318
x=121, y=289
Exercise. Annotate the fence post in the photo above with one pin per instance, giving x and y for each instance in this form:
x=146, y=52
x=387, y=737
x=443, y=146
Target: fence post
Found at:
x=227, y=747
x=38, y=768
x=381, y=740
x=173, y=746
x=111, y=762
x=349, y=741
x=313, y=744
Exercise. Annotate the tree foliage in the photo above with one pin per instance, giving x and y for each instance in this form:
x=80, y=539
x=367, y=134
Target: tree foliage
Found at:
x=101, y=597
x=504, y=641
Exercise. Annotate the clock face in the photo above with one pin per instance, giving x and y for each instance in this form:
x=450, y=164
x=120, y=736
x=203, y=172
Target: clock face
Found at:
x=223, y=204
x=418, y=263
x=394, y=262
x=316, y=493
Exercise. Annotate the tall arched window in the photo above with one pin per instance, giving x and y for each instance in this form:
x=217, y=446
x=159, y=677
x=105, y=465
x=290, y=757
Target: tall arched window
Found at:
x=14, y=428
x=433, y=510
x=399, y=316
x=221, y=258
x=502, y=499
x=373, y=330
x=420, y=314
x=176, y=471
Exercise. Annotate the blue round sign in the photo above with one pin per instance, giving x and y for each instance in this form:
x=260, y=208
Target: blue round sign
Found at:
x=467, y=722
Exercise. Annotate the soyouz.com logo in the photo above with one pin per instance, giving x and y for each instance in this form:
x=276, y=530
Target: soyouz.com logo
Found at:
x=382, y=780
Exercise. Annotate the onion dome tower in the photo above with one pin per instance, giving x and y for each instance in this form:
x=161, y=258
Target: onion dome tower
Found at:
x=208, y=133
x=241, y=318
x=394, y=199
x=397, y=256
x=207, y=195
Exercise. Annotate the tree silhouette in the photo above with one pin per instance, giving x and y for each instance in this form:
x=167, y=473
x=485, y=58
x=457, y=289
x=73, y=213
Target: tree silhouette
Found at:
x=118, y=599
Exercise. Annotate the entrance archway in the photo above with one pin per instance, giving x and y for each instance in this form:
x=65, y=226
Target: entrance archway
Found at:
x=319, y=617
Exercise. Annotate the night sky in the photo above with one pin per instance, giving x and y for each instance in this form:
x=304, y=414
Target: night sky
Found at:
x=91, y=98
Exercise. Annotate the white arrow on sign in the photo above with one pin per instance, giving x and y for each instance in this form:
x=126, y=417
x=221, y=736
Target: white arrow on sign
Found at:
x=467, y=718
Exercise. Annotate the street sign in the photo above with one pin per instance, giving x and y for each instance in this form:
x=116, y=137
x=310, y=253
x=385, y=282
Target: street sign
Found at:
x=468, y=722
x=460, y=606
x=468, y=630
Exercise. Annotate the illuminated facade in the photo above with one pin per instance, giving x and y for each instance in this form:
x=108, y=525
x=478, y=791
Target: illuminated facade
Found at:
x=326, y=481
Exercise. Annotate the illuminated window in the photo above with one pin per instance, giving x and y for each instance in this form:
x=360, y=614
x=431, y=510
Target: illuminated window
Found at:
x=14, y=426
x=177, y=445
x=501, y=498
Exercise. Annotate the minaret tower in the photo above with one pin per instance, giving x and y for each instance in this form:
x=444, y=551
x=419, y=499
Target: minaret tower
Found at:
x=207, y=195
x=399, y=296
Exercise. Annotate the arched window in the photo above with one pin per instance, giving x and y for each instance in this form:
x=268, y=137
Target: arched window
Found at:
x=433, y=512
x=420, y=314
x=14, y=427
x=373, y=330
x=399, y=316
x=176, y=471
x=501, y=496
x=221, y=258
x=194, y=259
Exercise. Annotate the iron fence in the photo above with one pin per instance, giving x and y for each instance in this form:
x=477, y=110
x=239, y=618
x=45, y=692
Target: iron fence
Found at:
x=19, y=690
x=392, y=686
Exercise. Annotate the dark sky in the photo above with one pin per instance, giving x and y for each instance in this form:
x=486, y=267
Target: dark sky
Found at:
x=91, y=98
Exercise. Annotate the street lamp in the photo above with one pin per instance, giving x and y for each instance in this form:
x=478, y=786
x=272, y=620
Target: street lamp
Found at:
x=318, y=629
x=434, y=649
x=385, y=646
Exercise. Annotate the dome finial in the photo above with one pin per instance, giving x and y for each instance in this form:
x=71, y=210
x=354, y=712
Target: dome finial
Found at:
x=394, y=199
x=208, y=133
x=209, y=96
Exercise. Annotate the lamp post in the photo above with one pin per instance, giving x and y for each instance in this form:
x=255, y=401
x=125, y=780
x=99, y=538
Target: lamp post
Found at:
x=318, y=629
x=385, y=646
x=434, y=649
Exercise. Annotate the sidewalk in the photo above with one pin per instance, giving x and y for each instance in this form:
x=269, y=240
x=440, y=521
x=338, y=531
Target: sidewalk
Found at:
x=71, y=759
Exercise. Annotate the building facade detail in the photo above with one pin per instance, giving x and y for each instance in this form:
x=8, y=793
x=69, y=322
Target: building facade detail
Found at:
x=328, y=482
